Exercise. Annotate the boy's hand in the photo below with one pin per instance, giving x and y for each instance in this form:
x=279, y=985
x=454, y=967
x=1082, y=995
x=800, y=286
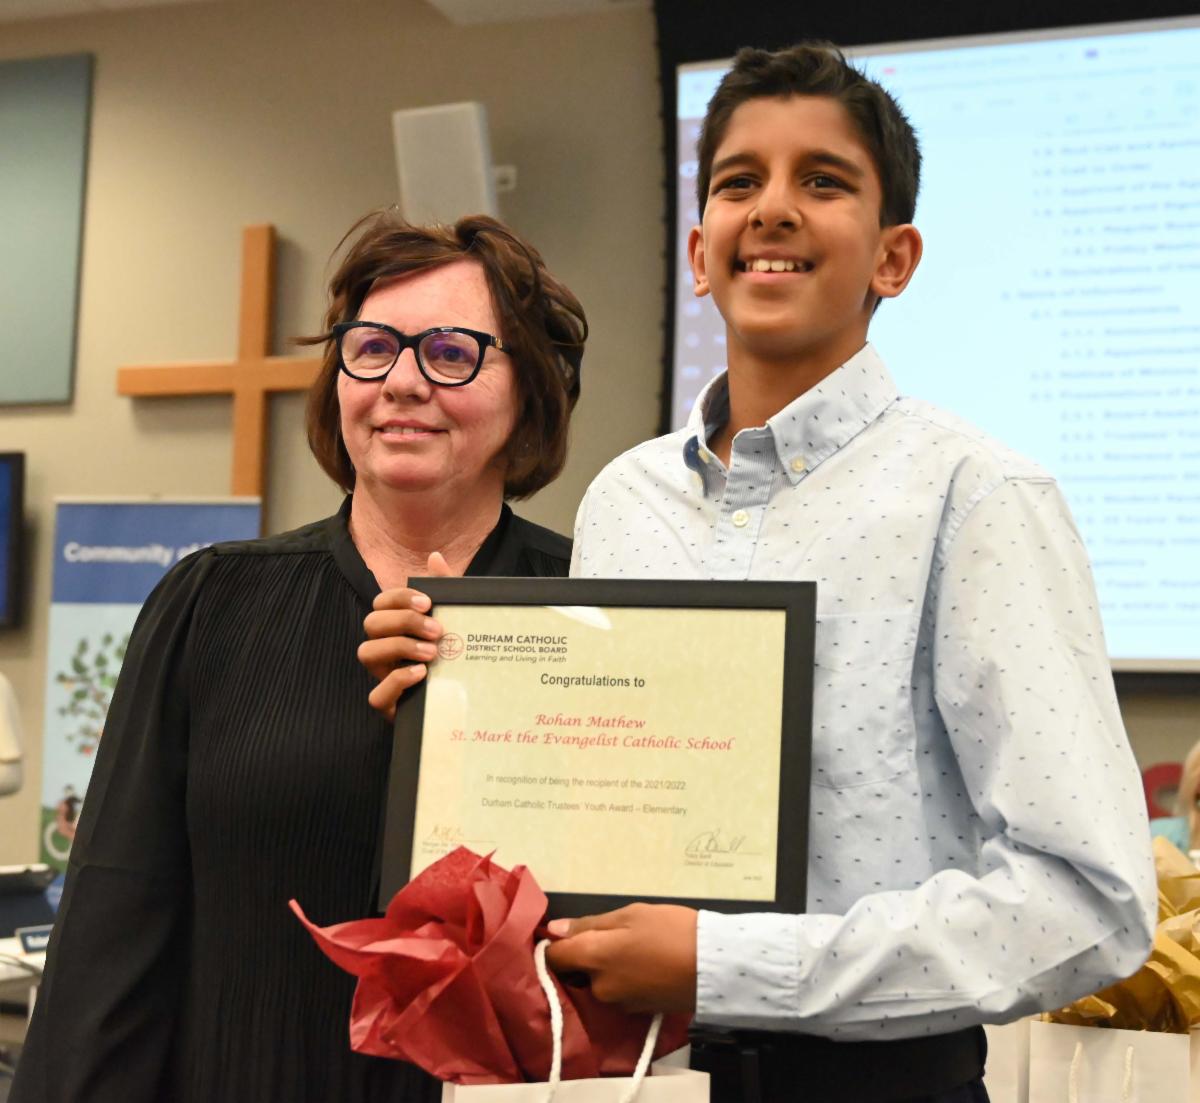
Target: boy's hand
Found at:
x=642, y=957
x=400, y=640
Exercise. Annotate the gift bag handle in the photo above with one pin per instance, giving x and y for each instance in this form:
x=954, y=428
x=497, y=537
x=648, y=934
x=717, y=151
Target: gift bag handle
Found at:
x=556, y=1030
x=1073, y=1077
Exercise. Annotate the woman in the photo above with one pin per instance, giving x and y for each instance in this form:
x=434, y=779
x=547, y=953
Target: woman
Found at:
x=1182, y=830
x=241, y=766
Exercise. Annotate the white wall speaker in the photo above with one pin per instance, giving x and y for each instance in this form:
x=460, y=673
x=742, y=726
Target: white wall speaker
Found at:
x=444, y=162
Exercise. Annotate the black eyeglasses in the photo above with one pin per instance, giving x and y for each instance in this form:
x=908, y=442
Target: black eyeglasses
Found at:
x=448, y=356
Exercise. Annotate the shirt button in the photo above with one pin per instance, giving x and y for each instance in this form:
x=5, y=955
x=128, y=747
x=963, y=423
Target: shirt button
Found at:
x=798, y=464
x=740, y=518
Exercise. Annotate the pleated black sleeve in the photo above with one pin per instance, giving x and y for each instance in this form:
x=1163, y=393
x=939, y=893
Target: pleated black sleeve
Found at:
x=106, y=1009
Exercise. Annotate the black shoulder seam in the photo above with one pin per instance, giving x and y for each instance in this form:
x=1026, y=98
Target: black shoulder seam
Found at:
x=306, y=540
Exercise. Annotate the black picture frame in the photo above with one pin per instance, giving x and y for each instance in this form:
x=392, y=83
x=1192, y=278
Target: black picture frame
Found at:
x=798, y=602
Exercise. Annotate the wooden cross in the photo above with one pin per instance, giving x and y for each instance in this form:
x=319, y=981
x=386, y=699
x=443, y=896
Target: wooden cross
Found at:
x=250, y=378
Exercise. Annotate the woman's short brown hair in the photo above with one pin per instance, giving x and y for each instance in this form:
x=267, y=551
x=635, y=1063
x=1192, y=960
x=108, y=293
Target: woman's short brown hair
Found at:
x=541, y=322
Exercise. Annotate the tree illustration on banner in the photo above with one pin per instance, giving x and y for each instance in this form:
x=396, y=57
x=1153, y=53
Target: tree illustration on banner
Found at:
x=90, y=683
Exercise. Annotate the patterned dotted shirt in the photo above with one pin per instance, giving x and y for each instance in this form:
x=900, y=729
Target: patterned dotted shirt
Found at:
x=978, y=844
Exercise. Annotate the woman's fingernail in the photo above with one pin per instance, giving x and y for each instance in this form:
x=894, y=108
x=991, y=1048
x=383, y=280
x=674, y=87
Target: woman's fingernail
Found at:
x=421, y=602
x=426, y=650
x=558, y=928
x=430, y=626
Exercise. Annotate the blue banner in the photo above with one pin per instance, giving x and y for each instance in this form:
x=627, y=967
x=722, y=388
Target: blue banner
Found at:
x=115, y=553
x=108, y=556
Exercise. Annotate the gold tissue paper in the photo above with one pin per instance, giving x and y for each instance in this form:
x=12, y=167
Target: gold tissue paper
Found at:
x=1163, y=995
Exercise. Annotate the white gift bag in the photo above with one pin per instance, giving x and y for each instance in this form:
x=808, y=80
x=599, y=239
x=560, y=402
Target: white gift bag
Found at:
x=665, y=1081
x=1088, y=1064
x=1194, y=1052
x=665, y=1084
x=1006, y=1075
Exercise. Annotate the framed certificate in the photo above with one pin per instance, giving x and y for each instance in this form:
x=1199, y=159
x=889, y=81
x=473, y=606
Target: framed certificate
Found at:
x=624, y=739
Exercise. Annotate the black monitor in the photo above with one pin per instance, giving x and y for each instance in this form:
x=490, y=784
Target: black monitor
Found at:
x=12, y=524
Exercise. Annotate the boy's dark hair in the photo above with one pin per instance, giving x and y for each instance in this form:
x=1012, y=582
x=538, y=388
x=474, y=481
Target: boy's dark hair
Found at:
x=541, y=322
x=820, y=69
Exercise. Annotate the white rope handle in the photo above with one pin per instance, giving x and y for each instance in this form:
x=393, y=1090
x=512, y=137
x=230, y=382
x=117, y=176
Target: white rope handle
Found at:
x=1073, y=1077
x=556, y=1030
x=556, y=1019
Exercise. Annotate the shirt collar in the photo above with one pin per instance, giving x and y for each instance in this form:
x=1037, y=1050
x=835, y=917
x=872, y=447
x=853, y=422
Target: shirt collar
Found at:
x=812, y=427
x=709, y=412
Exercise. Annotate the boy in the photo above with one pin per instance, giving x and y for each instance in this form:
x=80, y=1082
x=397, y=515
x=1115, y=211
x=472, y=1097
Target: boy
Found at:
x=965, y=726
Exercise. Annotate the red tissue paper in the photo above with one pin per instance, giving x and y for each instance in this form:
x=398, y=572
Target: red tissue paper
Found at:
x=446, y=981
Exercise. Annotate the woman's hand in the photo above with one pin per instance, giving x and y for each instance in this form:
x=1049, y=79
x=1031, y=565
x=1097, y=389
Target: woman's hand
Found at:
x=401, y=639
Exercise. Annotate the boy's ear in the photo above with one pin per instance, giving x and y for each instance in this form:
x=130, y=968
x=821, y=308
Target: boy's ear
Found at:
x=696, y=260
x=899, y=254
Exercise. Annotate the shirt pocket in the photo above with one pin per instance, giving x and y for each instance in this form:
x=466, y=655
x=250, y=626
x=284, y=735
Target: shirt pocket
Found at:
x=862, y=710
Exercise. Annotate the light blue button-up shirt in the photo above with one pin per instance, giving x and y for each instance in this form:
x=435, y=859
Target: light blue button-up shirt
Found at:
x=978, y=843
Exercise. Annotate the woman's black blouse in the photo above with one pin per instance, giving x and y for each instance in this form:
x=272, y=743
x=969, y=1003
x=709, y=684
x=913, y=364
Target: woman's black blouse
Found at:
x=240, y=766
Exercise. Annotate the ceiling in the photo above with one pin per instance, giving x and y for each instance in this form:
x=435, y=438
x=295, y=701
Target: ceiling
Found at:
x=12, y=10
x=504, y=11
x=457, y=11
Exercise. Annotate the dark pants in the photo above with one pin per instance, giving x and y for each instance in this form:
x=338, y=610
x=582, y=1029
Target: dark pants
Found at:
x=758, y=1067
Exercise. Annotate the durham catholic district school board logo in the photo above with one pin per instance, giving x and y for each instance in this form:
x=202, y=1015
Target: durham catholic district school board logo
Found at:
x=503, y=647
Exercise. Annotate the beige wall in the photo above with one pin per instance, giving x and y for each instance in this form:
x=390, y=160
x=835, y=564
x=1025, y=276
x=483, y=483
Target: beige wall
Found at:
x=212, y=116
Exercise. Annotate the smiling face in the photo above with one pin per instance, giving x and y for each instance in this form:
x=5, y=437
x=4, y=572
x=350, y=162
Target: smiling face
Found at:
x=405, y=433
x=790, y=246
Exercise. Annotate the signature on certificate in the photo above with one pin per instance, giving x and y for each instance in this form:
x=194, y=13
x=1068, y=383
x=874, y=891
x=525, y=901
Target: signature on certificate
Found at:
x=443, y=837
x=713, y=842
x=444, y=833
